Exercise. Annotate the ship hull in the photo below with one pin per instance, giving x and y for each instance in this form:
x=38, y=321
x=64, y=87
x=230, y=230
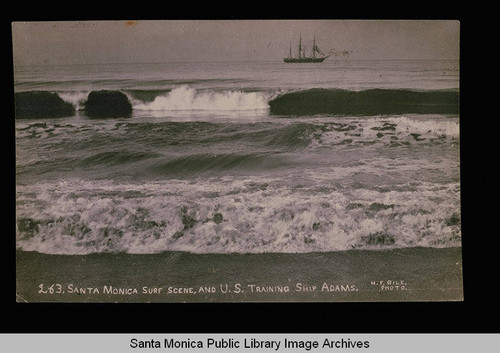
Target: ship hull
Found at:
x=304, y=60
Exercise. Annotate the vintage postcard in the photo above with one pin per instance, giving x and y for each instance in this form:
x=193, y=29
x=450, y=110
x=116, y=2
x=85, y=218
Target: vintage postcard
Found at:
x=237, y=161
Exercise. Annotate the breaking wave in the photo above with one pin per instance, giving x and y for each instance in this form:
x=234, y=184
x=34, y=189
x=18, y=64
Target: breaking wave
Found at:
x=187, y=98
x=302, y=103
x=43, y=104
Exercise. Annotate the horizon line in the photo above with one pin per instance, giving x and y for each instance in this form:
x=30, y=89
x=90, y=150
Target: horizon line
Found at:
x=213, y=61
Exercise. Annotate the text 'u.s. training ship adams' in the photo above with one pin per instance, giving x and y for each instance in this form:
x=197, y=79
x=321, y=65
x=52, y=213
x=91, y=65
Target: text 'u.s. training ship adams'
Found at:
x=302, y=58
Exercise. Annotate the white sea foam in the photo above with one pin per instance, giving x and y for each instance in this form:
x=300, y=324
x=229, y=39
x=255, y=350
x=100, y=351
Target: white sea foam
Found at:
x=432, y=127
x=185, y=98
x=76, y=98
x=232, y=215
x=393, y=130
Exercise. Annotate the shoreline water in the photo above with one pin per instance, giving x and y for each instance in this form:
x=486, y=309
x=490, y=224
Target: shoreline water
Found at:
x=408, y=274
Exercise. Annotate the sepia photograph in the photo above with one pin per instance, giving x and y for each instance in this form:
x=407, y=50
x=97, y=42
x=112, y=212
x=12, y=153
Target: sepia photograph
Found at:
x=199, y=161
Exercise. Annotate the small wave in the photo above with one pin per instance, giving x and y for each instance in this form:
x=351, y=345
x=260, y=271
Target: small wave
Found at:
x=104, y=104
x=368, y=102
x=206, y=163
x=117, y=158
x=41, y=104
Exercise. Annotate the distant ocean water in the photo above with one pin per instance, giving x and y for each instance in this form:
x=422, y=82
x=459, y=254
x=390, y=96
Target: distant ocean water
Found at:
x=211, y=160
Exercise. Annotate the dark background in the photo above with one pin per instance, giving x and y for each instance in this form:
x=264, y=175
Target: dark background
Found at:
x=476, y=314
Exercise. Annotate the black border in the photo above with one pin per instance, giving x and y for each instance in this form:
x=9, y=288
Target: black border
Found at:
x=468, y=316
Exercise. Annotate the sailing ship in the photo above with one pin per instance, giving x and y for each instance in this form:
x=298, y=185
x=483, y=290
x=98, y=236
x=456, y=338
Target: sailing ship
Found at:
x=302, y=58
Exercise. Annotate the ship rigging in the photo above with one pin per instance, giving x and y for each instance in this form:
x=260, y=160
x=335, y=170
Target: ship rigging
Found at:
x=301, y=54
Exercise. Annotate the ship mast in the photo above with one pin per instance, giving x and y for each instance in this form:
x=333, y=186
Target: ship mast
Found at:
x=300, y=46
x=316, y=49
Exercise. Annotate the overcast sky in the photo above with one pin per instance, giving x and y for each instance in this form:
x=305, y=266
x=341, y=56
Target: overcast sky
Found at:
x=164, y=41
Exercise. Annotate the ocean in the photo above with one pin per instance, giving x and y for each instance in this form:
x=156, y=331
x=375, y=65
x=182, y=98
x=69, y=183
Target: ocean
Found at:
x=219, y=161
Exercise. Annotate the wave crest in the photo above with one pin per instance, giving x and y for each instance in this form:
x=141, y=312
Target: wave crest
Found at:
x=368, y=102
x=185, y=98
